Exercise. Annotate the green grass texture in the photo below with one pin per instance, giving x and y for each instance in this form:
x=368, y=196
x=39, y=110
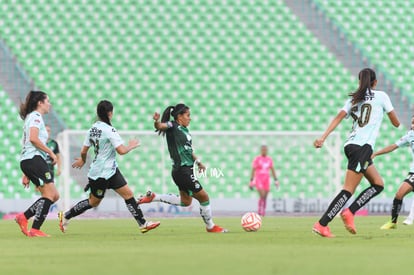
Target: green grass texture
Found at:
x=284, y=245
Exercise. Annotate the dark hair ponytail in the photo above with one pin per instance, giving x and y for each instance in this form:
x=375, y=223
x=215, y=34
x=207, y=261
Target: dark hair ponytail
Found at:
x=366, y=80
x=102, y=110
x=30, y=104
x=173, y=111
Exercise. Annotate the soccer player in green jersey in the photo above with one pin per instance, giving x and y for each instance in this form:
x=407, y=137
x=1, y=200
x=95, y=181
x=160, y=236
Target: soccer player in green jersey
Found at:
x=181, y=152
x=54, y=146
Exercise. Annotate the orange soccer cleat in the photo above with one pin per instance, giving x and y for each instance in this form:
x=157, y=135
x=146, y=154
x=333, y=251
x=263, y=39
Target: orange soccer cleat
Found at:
x=149, y=226
x=321, y=230
x=348, y=219
x=149, y=196
x=22, y=222
x=37, y=233
x=217, y=229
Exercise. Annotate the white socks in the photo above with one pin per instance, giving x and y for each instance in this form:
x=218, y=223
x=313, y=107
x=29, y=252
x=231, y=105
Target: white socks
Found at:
x=205, y=208
x=168, y=198
x=411, y=215
x=205, y=212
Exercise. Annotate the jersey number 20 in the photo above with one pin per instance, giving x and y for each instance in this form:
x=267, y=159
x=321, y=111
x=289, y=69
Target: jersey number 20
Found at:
x=363, y=119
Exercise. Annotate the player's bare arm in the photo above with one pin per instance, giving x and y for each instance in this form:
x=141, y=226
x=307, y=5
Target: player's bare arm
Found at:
x=201, y=166
x=34, y=139
x=334, y=123
x=132, y=144
x=79, y=162
x=385, y=150
x=394, y=118
x=160, y=126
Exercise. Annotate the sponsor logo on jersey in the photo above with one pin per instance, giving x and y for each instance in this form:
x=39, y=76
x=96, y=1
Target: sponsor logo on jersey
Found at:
x=99, y=192
x=95, y=132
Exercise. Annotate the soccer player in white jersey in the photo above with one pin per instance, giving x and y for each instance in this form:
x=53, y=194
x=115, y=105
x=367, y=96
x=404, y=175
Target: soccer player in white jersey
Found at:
x=408, y=184
x=104, y=173
x=33, y=162
x=366, y=107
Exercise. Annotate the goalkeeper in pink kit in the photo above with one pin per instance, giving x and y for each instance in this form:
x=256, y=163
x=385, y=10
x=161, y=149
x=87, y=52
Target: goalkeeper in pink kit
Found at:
x=260, y=177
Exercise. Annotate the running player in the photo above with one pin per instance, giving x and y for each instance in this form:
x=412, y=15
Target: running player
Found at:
x=408, y=184
x=54, y=146
x=260, y=177
x=104, y=173
x=33, y=162
x=180, y=147
x=366, y=106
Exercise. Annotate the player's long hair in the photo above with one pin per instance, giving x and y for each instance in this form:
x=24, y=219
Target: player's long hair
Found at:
x=367, y=78
x=30, y=104
x=102, y=110
x=173, y=111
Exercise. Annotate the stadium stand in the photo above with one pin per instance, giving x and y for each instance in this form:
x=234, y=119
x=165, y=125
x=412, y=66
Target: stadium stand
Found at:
x=10, y=136
x=240, y=66
x=379, y=29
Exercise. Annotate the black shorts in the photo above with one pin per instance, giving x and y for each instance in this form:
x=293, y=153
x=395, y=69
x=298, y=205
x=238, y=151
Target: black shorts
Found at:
x=410, y=179
x=37, y=170
x=98, y=187
x=185, y=180
x=359, y=157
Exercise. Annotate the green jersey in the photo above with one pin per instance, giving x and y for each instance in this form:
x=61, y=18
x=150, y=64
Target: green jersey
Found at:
x=53, y=145
x=179, y=145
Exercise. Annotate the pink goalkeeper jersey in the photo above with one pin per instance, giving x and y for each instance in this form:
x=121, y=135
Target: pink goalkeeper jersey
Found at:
x=261, y=166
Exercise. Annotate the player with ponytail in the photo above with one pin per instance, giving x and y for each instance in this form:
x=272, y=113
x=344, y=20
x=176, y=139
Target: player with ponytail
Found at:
x=366, y=107
x=104, y=172
x=33, y=162
x=181, y=151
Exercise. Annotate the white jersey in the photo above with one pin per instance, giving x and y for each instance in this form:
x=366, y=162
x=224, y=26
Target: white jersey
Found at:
x=104, y=138
x=367, y=115
x=34, y=119
x=408, y=140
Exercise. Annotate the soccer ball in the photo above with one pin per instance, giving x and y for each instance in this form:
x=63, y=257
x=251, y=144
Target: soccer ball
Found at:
x=251, y=222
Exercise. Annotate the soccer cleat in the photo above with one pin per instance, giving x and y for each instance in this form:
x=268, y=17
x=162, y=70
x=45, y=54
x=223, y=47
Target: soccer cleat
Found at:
x=323, y=231
x=348, y=219
x=217, y=229
x=149, y=226
x=149, y=196
x=63, y=222
x=37, y=233
x=22, y=222
x=389, y=225
x=408, y=221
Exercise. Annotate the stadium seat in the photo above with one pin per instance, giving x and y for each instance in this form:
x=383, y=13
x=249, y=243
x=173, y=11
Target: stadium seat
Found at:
x=244, y=65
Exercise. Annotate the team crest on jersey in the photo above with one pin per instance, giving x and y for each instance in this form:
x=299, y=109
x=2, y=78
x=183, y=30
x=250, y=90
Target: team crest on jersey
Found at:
x=48, y=175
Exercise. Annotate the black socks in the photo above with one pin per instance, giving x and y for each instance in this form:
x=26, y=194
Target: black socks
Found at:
x=365, y=197
x=78, y=209
x=31, y=211
x=396, y=208
x=336, y=205
x=135, y=210
x=41, y=209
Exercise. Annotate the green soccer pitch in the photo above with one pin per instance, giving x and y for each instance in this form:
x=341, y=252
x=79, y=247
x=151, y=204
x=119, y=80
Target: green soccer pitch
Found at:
x=284, y=245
